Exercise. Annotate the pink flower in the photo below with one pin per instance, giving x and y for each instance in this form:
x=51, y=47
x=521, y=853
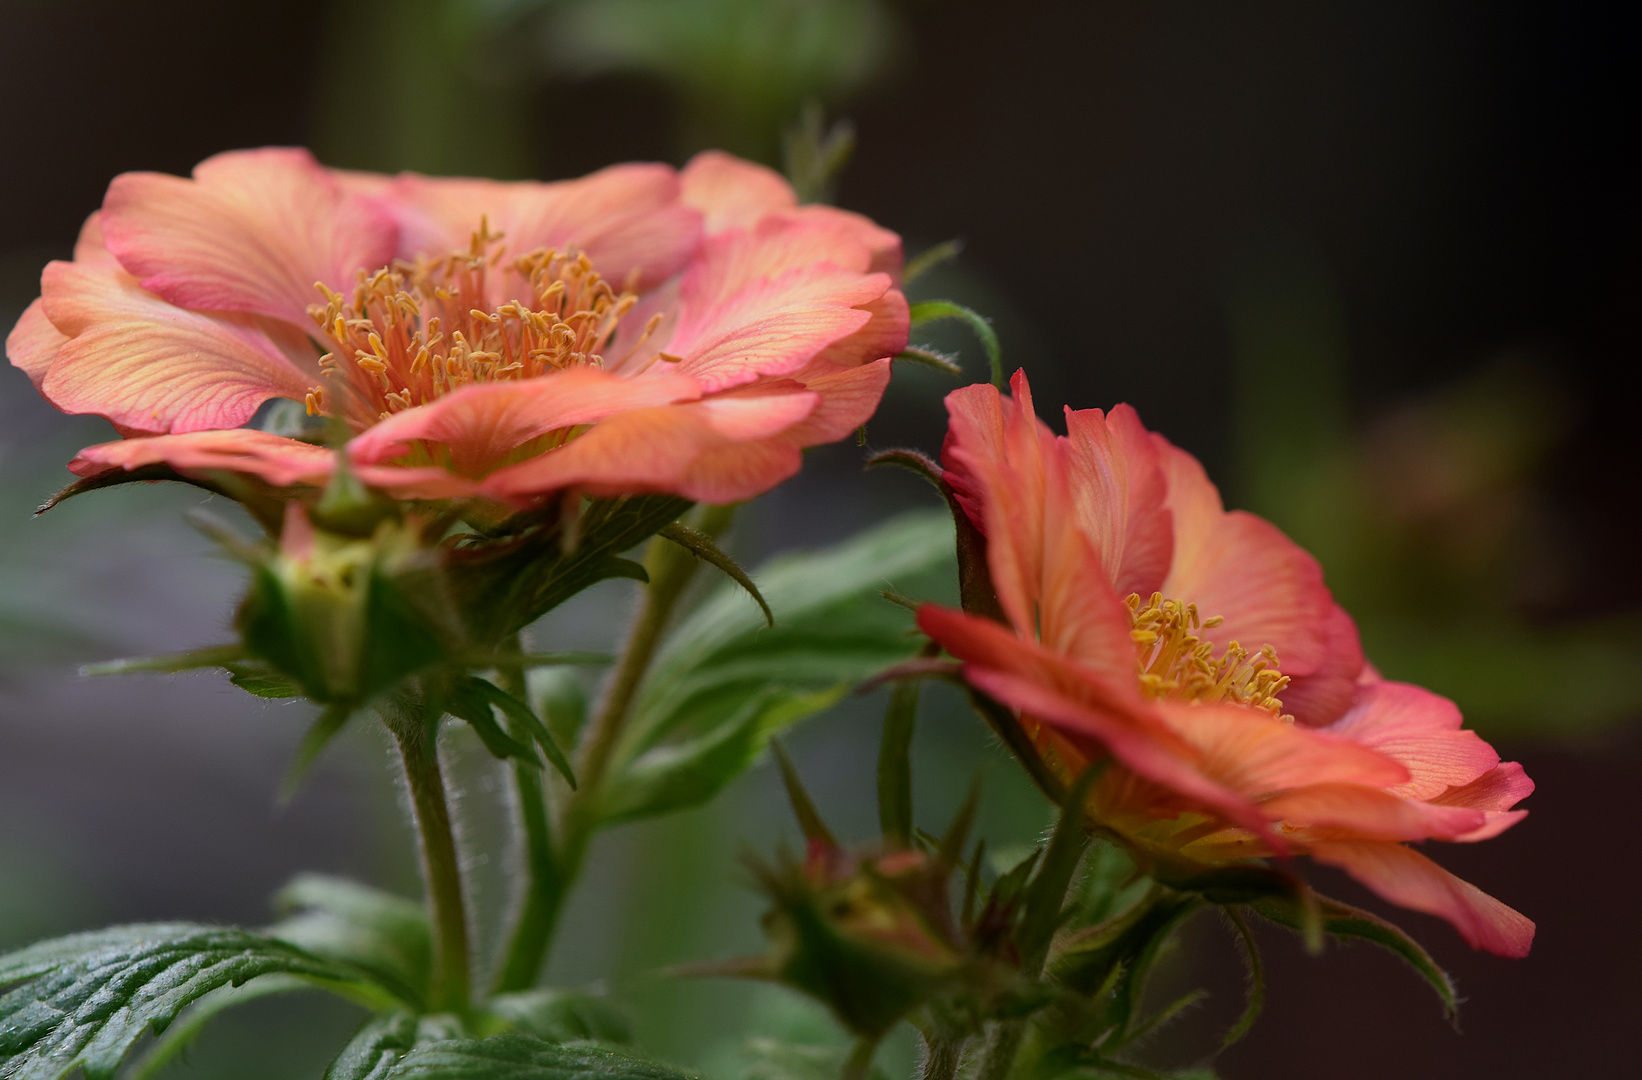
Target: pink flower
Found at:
x=1199, y=653
x=637, y=330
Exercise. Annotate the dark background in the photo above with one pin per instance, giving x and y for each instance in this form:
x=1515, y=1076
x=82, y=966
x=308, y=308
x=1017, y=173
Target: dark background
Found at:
x=1454, y=185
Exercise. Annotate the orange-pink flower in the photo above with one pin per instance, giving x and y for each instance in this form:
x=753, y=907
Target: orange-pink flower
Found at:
x=1198, y=652
x=637, y=330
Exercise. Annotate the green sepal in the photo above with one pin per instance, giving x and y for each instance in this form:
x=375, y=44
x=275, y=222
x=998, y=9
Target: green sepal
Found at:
x=259, y=499
x=932, y=310
x=263, y=680
x=925, y=356
x=325, y=727
x=702, y=547
x=209, y=657
x=895, y=765
x=810, y=822
x=82, y=1001
x=1256, y=1002
x=376, y=931
x=1344, y=921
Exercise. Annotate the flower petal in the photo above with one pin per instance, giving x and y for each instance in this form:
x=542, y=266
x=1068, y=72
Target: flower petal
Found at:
x=483, y=423
x=628, y=219
x=274, y=458
x=723, y=449
x=1494, y=793
x=1420, y=729
x=34, y=342
x=848, y=398
x=1407, y=878
x=1370, y=813
x=1119, y=494
x=732, y=193
x=1319, y=698
x=150, y=366
x=1255, y=753
x=252, y=231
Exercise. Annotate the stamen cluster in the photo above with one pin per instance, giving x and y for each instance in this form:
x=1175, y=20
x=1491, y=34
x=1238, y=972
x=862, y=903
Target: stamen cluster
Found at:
x=1176, y=663
x=415, y=331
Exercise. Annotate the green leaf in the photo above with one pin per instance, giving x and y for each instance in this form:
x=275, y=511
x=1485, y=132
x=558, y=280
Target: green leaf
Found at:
x=465, y=702
x=678, y=775
x=558, y=697
x=180, y=1035
x=521, y=714
x=724, y=678
x=338, y=919
x=702, y=547
x=1344, y=921
x=377, y=1047
x=563, y=1016
x=521, y=1057
x=933, y=310
x=82, y=1001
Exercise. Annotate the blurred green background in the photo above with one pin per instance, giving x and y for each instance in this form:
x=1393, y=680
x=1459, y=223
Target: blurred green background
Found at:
x=1376, y=263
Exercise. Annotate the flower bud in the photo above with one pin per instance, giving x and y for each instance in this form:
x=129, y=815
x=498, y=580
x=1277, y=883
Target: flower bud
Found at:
x=334, y=612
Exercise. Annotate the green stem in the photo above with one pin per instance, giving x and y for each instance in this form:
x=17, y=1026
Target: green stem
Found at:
x=941, y=1057
x=418, y=749
x=670, y=568
x=858, y=1066
x=536, y=907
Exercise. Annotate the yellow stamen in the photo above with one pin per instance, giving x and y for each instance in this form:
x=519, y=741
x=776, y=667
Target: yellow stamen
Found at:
x=1174, y=662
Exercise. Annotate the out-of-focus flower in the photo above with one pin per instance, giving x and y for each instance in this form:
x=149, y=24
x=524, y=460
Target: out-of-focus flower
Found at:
x=637, y=330
x=1198, y=653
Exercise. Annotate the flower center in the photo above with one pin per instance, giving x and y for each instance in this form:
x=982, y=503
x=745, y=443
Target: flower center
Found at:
x=1176, y=663
x=414, y=331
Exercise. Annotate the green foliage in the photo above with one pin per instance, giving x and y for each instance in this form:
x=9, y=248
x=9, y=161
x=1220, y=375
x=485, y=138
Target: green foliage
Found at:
x=1347, y=922
x=342, y=920
x=933, y=310
x=471, y=699
x=563, y=1016
x=521, y=1057
x=82, y=1001
x=725, y=681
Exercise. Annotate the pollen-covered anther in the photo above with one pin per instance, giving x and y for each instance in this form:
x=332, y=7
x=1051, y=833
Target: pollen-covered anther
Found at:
x=1174, y=662
x=414, y=331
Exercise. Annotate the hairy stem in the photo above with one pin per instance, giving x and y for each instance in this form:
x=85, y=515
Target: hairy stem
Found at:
x=858, y=1066
x=418, y=749
x=535, y=909
x=671, y=569
x=941, y=1057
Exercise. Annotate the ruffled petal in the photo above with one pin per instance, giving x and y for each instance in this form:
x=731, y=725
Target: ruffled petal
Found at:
x=252, y=231
x=1012, y=488
x=1243, y=569
x=1318, y=699
x=1407, y=878
x=274, y=458
x=723, y=449
x=1119, y=494
x=1420, y=729
x=34, y=342
x=848, y=398
x=1370, y=813
x=1494, y=793
x=482, y=424
x=628, y=219
x=974, y=434
x=150, y=366
x=732, y=193
x=1255, y=753
x=773, y=326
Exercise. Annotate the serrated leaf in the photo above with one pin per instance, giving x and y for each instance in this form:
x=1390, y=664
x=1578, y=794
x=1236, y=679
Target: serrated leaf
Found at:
x=82, y=1001
x=180, y=1035
x=338, y=919
x=522, y=715
x=1344, y=921
x=522, y=1057
x=465, y=702
x=563, y=1016
x=375, y=1049
x=832, y=629
x=703, y=547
